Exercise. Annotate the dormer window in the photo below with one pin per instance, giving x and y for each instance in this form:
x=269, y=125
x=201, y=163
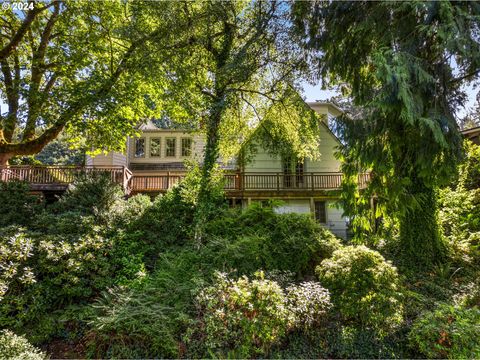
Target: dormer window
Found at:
x=155, y=149
x=170, y=145
x=139, y=147
x=186, y=147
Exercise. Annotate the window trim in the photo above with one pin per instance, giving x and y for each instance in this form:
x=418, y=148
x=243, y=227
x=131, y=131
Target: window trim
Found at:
x=181, y=147
x=174, y=147
x=135, y=147
x=159, y=147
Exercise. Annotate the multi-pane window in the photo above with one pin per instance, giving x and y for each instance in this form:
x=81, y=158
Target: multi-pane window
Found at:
x=140, y=147
x=170, y=145
x=321, y=212
x=186, y=146
x=155, y=149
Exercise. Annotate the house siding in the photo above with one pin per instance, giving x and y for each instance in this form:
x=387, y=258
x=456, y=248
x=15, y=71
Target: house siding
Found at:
x=336, y=223
x=268, y=163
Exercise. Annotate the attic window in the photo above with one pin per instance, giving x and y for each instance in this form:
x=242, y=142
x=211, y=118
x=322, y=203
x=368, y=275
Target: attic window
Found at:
x=186, y=147
x=155, y=147
x=139, y=147
x=170, y=145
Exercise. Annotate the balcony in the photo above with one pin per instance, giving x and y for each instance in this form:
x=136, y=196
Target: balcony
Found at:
x=251, y=182
x=56, y=178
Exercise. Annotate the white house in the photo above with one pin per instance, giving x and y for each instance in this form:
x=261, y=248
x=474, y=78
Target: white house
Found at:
x=156, y=160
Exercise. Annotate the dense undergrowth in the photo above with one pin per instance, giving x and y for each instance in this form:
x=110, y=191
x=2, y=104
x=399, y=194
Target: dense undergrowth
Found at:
x=95, y=275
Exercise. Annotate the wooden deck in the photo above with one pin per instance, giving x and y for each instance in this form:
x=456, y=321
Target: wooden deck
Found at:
x=57, y=178
x=251, y=182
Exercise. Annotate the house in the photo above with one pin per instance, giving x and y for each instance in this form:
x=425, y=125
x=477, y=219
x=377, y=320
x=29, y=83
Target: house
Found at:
x=472, y=134
x=156, y=159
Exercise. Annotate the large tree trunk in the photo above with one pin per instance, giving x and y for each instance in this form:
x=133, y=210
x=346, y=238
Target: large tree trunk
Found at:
x=421, y=242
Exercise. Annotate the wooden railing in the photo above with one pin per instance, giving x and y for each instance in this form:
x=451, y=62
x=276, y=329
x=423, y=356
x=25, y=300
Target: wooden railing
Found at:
x=252, y=181
x=45, y=175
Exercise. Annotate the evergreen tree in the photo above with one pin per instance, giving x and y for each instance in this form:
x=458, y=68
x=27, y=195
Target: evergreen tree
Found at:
x=404, y=64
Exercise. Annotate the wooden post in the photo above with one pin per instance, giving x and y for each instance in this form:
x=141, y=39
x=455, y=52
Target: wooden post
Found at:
x=313, y=186
x=278, y=182
x=312, y=207
x=168, y=180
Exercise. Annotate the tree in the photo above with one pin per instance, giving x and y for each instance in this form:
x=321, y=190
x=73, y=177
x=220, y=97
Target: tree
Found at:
x=238, y=64
x=64, y=67
x=404, y=64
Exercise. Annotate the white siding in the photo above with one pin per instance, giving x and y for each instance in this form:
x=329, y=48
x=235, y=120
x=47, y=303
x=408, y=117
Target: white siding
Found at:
x=335, y=222
x=111, y=159
x=294, y=206
x=262, y=161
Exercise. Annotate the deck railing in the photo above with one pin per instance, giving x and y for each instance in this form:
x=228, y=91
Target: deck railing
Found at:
x=46, y=175
x=252, y=181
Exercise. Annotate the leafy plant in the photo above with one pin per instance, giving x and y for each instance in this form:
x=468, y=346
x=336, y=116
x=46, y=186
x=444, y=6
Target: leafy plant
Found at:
x=365, y=288
x=16, y=347
x=449, y=331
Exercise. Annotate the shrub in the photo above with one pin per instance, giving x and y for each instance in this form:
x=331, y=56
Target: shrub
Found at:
x=91, y=194
x=258, y=238
x=17, y=205
x=364, y=287
x=241, y=317
x=469, y=170
x=15, y=347
x=308, y=302
x=448, y=332
x=15, y=249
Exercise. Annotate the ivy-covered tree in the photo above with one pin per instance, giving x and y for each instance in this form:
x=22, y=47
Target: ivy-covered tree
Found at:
x=404, y=64
x=69, y=66
x=239, y=66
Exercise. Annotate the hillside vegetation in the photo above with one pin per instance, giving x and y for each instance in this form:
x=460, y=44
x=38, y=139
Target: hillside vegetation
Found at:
x=94, y=275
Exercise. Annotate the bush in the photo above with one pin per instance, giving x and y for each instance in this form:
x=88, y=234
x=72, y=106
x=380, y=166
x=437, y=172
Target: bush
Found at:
x=241, y=317
x=15, y=249
x=448, y=332
x=308, y=302
x=258, y=238
x=17, y=205
x=15, y=347
x=91, y=194
x=364, y=287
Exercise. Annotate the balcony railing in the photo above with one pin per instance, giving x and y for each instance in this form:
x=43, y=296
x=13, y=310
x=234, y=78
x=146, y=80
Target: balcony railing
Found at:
x=42, y=176
x=252, y=182
x=62, y=175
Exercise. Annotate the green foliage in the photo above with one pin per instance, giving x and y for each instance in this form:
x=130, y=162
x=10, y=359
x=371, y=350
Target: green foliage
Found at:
x=16, y=347
x=72, y=250
x=259, y=238
x=18, y=206
x=90, y=194
x=407, y=92
x=365, y=288
x=448, y=332
x=469, y=169
x=244, y=317
x=58, y=152
x=15, y=249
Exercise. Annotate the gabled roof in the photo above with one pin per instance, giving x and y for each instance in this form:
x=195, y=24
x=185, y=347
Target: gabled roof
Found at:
x=331, y=108
x=472, y=131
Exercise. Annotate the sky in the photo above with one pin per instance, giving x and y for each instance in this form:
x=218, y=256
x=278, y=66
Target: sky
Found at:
x=314, y=93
